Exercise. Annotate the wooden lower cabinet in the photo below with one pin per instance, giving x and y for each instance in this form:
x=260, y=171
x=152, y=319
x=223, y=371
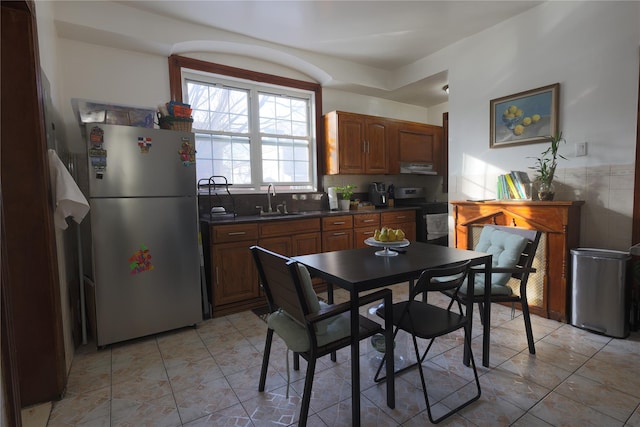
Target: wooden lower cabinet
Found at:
x=337, y=233
x=306, y=243
x=292, y=238
x=281, y=244
x=234, y=276
x=364, y=226
x=235, y=285
x=234, y=279
x=405, y=220
x=548, y=290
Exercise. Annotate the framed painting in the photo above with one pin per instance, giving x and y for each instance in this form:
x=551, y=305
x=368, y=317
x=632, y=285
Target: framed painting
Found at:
x=525, y=118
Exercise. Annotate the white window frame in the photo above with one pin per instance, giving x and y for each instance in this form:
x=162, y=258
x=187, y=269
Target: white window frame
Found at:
x=255, y=88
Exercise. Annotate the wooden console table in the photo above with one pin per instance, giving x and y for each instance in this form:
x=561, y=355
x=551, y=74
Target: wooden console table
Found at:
x=560, y=223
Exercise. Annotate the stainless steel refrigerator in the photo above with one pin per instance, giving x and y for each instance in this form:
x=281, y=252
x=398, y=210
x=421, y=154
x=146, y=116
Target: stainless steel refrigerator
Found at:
x=144, y=231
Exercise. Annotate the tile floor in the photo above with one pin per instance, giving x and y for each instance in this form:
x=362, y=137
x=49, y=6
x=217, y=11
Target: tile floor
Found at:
x=208, y=376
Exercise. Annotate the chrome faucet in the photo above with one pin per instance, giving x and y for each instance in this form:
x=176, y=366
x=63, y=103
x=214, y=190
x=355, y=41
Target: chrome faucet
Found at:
x=269, y=190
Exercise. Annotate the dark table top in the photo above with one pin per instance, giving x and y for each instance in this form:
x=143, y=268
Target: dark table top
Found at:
x=361, y=269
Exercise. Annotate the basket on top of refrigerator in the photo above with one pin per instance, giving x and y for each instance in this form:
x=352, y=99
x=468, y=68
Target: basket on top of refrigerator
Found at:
x=175, y=116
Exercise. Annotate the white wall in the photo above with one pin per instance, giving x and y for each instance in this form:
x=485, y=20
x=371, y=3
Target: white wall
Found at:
x=591, y=49
x=333, y=99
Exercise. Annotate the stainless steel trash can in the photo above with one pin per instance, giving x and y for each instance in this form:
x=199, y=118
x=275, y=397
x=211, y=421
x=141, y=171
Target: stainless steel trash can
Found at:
x=599, y=291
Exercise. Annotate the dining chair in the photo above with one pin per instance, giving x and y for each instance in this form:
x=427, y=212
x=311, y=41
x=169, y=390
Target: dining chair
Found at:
x=427, y=321
x=309, y=327
x=513, y=251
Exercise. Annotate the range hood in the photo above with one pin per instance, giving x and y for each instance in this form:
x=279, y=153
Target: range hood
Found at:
x=417, y=168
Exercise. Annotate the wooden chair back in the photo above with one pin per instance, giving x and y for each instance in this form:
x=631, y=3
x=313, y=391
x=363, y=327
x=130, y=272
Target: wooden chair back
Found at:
x=279, y=278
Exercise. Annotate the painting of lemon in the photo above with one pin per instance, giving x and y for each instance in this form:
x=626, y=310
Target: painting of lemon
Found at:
x=518, y=130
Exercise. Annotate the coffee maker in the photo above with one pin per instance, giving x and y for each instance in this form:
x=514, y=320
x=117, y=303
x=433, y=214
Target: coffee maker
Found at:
x=378, y=194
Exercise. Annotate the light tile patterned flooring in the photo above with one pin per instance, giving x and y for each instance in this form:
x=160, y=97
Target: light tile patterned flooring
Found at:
x=208, y=376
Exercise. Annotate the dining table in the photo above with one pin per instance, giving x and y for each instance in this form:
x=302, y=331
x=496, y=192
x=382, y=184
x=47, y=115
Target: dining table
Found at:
x=360, y=270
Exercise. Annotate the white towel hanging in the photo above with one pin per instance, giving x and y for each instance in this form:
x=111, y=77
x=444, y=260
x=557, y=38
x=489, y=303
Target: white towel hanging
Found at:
x=68, y=198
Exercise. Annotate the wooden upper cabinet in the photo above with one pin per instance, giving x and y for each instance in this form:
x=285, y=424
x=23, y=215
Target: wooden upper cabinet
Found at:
x=361, y=144
x=416, y=143
x=376, y=152
x=356, y=144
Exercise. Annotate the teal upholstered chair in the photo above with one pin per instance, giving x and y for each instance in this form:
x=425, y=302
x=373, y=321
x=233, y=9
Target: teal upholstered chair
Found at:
x=309, y=327
x=513, y=251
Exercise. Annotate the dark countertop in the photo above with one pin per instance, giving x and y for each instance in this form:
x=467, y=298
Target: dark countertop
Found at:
x=228, y=218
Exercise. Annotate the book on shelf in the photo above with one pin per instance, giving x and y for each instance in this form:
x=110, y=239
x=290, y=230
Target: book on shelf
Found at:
x=515, y=185
x=513, y=190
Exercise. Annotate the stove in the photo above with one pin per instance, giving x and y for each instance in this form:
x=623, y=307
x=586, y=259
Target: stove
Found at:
x=432, y=218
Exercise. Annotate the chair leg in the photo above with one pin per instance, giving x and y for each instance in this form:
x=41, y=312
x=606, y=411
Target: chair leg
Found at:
x=265, y=360
x=296, y=361
x=306, y=396
x=467, y=344
x=481, y=309
x=527, y=325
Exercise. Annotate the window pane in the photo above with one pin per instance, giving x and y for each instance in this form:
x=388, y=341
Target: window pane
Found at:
x=270, y=171
x=301, y=171
x=241, y=172
x=282, y=148
x=285, y=151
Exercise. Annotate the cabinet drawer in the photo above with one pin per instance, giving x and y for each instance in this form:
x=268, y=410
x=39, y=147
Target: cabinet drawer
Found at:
x=234, y=233
x=337, y=222
x=287, y=228
x=397, y=217
x=366, y=220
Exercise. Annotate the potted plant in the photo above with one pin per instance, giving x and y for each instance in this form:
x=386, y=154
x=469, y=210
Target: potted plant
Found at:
x=346, y=192
x=545, y=167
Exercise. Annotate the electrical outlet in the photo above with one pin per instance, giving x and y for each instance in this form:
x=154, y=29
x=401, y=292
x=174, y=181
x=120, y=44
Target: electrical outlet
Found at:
x=581, y=149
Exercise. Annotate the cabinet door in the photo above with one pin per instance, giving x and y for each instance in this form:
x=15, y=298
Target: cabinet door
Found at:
x=351, y=137
x=420, y=144
x=234, y=275
x=308, y=243
x=376, y=147
x=280, y=245
x=409, y=229
x=362, y=234
x=364, y=226
x=405, y=220
x=337, y=240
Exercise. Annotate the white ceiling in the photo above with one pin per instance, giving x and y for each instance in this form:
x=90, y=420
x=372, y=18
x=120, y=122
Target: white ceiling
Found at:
x=386, y=35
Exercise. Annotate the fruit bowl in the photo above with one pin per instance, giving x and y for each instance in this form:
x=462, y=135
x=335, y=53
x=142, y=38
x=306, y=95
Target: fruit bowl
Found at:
x=386, y=245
